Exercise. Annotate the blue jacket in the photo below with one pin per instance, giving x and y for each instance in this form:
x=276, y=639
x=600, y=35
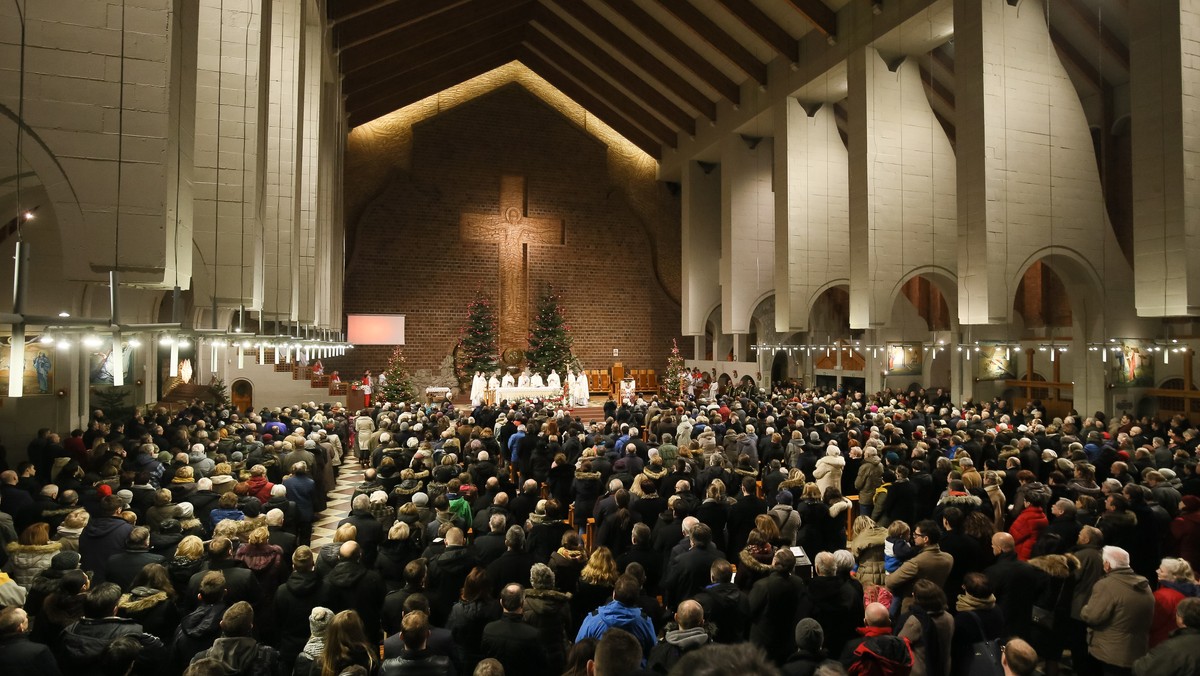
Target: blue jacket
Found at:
x=616, y=614
x=513, y=441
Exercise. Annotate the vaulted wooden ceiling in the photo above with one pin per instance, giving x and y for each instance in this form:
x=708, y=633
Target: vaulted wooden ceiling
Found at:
x=650, y=69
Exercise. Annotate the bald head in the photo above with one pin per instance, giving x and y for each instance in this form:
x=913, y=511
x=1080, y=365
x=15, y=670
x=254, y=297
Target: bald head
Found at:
x=1003, y=543
x=689, y=615
x=349, y=551
x=877, y=615
x=455, y=538
x=689, y=525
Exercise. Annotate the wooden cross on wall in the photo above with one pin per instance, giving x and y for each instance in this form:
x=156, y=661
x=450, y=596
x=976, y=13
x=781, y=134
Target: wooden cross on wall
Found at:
x=512, y=231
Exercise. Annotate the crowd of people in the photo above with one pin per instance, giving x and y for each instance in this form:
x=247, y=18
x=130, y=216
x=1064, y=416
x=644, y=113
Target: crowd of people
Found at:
x=789, y=532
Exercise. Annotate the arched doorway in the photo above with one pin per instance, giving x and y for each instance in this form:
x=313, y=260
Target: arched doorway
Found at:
x=779, y=367
x=241, y=394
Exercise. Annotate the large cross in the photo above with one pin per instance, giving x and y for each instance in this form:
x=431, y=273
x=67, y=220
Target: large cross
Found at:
x=512, y=231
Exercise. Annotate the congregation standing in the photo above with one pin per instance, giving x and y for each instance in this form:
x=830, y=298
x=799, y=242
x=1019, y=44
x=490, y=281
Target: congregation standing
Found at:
x=793, y=531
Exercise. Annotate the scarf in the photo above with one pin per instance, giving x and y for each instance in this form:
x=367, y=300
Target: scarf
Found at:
x=871, y=632
x=761, y=553
x=932, y=640
x=572, y=554
x=183, y=480
x=966, y=602
x=315, y=647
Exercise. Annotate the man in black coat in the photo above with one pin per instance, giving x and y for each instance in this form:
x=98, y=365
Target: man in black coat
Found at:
x=19, y=655
x=725, y=606
x=240, y=583
x=777, y=603
x=104, y=536
x=441, y=641
x=416, y=659
x=514, y=564
x=204, y=501
x=742, y=514
x=447, y=573
x=1017, y=585
x=369, y=531
x=1064, y=525
x=353, y=586
x=512, y=641
x=489, y=544
x=524, y=503
x=83, y=643
x=124, y=566
x=692, y=570
x=641, y=553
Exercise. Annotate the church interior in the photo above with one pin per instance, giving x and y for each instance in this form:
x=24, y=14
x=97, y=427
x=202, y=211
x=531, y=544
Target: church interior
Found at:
x=984, y=196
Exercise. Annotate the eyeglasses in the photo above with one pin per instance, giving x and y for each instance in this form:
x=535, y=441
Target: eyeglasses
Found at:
x=919, y=535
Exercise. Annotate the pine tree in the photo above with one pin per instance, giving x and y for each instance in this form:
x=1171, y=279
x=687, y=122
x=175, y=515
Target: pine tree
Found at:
x=479, y=345
x=399, y=387
x=550, y=340
x=673, y=379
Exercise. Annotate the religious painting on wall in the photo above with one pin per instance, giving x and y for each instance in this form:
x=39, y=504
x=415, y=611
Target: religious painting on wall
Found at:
x=39, y=369
x=102, y=364
x=905, y=359
x=994, y=362
x=1132, y=365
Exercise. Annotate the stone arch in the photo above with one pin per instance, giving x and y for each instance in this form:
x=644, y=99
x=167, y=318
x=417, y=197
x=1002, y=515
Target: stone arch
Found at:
x=819, y=293
x=241, y=394
x=943, y=278
x=1083, y=282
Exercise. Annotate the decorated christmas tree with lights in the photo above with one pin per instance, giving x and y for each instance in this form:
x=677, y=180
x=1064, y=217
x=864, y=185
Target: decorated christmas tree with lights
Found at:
x=399, y=386
x=673, y=379
x=550, y=340
x=478, y=344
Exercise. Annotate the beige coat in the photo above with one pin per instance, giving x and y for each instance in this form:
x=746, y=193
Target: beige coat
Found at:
x=1119, y=614
x=931, y=563
x=867, y=548
x=829, y=472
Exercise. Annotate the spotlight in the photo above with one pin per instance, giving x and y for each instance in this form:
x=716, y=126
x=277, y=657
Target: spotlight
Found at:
x=183, y=342
x=64, y=313
x=166, y=341
x=91, y=341
x=63, y=344
x=134, y=342
x=46, y=338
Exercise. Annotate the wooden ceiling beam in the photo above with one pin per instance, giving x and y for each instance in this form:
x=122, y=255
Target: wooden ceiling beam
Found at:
x=764, y=27
x=602, y=88
x=386, y=18
x=560, y=81
x=423, y=52
x=423, y=62
x=635, y=53
x=386, y=46
x=677, y=48
x=393, y=101
x=706, y=29
x=818, y=14
x=603, y=62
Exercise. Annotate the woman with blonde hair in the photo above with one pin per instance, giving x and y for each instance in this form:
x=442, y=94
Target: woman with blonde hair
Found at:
x=263, y=559
x=867, y=548
x=595, y=586
x=71, y=528
x=188, y=560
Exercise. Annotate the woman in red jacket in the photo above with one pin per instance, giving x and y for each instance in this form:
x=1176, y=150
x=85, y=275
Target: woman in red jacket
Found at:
x=1029, y=525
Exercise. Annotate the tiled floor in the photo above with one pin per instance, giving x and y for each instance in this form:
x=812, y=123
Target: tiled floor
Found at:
x=338, y=505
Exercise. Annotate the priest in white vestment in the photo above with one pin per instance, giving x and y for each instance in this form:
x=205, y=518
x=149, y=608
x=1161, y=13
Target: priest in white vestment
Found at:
x=509, y=381
x=523, y=381
x=582, y=393
x=478, y=384
x=493, y=382
x=553, y=380
x=713, y=390
x=536, y=380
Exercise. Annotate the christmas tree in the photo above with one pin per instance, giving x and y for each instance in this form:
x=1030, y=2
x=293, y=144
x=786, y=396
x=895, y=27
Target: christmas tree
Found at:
x=550, y=339
x=399, y=386
x=478, y=346
x=673, y=379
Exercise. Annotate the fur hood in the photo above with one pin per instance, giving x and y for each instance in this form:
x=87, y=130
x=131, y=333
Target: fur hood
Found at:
x=549, y=595
x=1056, y=565
x=791, y=483
x=581, y=475
x=968, y=501
x=140, y=599
x=835, y=460
x=747, y=562
x=655, y=475
x=53, y=547
x=839, y=507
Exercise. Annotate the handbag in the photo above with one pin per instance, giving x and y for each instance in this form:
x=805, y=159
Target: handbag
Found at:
x=984, y=656
x=1044, y=617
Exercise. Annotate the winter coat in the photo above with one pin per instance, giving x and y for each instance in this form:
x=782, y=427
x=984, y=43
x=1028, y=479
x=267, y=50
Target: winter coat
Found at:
x=243, y=656
x=352, y=586
x=151, y=608
x=828, y=473
x=26, y=561
x=466, y=624
x=84, y=642
x=1057, y=591
x=777, y=603
x=19, y=655
x=616, y=614
x=1119, y=616
x=675, y=645
x=931, y=563
x=294, y=600
x=1185, y=538
x=870, y=477
x=103, y=537
x=867, y=548
x=1166, y=600
x=1025, y=530
x=1179, y=655
x=196, y=632
x=788, y=521
x=549, y=611
x=913, y=631
x=124, y=566
x=516, y=645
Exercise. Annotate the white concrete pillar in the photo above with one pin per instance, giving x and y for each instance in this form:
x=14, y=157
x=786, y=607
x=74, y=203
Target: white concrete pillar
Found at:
x=1165, y=95
x=698, y=347
x=747, y=229
x=812, y=205
x=283, y=144
x=902, y=187
x=701, y=247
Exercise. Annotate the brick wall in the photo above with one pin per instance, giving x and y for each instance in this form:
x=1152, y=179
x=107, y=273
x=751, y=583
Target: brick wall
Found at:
x=408, y=256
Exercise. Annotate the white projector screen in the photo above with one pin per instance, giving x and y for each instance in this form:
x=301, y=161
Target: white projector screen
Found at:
x=375, y=329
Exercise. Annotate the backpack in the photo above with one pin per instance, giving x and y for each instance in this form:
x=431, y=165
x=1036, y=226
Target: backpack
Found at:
x=882, y=656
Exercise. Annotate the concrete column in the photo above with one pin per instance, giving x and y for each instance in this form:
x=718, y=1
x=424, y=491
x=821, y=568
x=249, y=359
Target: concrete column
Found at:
x=812, y=206
x=1165, y=93
x=231, y=80
x=698, y=347
x=902, y=186
x=701, y=246
x=284, y=125
x=875, y=362
x=747, y=229
x=741, y=349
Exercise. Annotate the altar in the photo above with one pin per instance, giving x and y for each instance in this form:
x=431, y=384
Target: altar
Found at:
x=519, y=393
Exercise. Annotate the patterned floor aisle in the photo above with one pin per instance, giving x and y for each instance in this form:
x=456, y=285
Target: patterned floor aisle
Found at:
x=338, y=505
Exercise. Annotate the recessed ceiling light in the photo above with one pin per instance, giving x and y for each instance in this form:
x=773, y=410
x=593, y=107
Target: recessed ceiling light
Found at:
x=64, y=313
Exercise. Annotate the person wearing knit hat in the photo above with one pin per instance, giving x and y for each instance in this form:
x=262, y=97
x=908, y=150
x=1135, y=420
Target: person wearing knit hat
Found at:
x=310, y=656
